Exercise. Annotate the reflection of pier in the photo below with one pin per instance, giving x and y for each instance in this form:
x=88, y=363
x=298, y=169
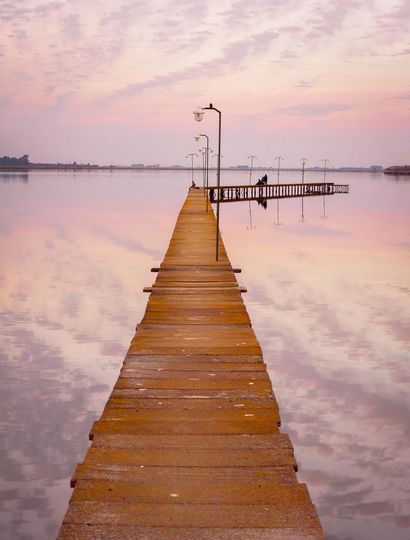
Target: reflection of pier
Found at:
x=274, y=191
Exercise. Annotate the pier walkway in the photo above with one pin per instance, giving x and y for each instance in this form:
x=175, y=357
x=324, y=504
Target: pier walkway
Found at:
x=188, y=445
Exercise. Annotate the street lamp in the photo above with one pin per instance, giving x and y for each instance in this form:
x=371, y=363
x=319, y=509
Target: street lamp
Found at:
x=198, y=115
x=202, y=152
x=250, y=172
x=325, y=161
x=302, y=219
x=197, y=137
x=303, y=169
x=192, y=164
x=278, y=159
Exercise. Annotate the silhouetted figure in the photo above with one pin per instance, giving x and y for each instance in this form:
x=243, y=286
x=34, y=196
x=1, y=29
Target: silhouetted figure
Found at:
x=262, y=181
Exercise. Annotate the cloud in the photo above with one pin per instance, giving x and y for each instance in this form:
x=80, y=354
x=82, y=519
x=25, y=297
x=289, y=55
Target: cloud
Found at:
x=48, y=7
x=405, y=52
x=245, y=13
x=5, y=103
x=71, y=26
x=330, y=16
x=303, y=84
x=314, y=109
x=233, y=56
x=128, y=243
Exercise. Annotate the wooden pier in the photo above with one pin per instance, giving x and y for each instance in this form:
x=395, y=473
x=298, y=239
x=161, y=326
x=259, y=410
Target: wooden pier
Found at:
x=188, y=445
x=274, y=191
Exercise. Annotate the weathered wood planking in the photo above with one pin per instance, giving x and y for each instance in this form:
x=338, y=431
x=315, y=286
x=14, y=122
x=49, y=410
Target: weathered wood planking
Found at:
x=188, y=445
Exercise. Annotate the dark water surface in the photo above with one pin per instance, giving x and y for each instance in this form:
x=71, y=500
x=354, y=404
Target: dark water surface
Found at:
x=329, y=298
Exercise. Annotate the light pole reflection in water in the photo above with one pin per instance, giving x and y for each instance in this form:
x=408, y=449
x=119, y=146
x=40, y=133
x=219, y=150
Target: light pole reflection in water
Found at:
x=251, y=226
x=277, y=222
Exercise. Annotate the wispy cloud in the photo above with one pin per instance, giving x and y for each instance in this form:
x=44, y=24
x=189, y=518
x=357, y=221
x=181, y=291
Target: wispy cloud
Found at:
x=233, y=56
x=314, y=109
x=5, y=102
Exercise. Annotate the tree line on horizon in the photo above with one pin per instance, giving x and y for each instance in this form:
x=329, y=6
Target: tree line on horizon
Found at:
x=6, y=160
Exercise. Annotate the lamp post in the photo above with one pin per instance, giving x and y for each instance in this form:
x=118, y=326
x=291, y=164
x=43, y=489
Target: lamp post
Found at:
x=192, y=164
x=278, y=159
x=198, y=115
x=251, y=169
x=202, y=151
x=303, y=169
x=325, y=161
x=197, y=137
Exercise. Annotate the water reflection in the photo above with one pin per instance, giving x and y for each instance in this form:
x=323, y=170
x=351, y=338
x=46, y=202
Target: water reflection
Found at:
x=13, y=177
x=329, y=301
x=332, y=312
x=72, y=262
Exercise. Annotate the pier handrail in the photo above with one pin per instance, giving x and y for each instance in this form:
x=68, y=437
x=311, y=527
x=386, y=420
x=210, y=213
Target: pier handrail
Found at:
x=233, y=193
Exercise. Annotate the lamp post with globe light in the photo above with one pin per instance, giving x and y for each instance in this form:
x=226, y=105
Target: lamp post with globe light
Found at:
x=198, y=115
x=197, y=137
x=192, y=164
x=325, y=161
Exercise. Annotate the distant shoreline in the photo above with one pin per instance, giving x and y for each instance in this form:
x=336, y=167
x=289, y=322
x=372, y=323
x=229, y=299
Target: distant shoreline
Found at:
x=55, y=167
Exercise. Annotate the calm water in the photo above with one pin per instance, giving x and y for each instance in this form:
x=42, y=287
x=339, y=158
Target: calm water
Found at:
x=329, y=297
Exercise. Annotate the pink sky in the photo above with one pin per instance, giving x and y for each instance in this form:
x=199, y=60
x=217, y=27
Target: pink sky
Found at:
x=116, y=82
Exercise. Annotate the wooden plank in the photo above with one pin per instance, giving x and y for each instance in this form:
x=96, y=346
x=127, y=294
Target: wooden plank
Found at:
x=114, y=532
x=198, y=427
x=242, y=440
x=121, y=473
x=200, y=515
x=184, y=457
x=140, y=402
x=167, y=365
x=190, y=490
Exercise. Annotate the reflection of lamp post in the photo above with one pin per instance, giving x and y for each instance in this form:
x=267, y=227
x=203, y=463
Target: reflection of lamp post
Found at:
x=277, y=222
x=192, y=164
x=197, y=137
x=198, y=115
x=251, y=169
x=279, y=160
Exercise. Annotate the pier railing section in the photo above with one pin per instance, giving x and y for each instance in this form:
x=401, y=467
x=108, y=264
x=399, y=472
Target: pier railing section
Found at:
x=274, y=191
